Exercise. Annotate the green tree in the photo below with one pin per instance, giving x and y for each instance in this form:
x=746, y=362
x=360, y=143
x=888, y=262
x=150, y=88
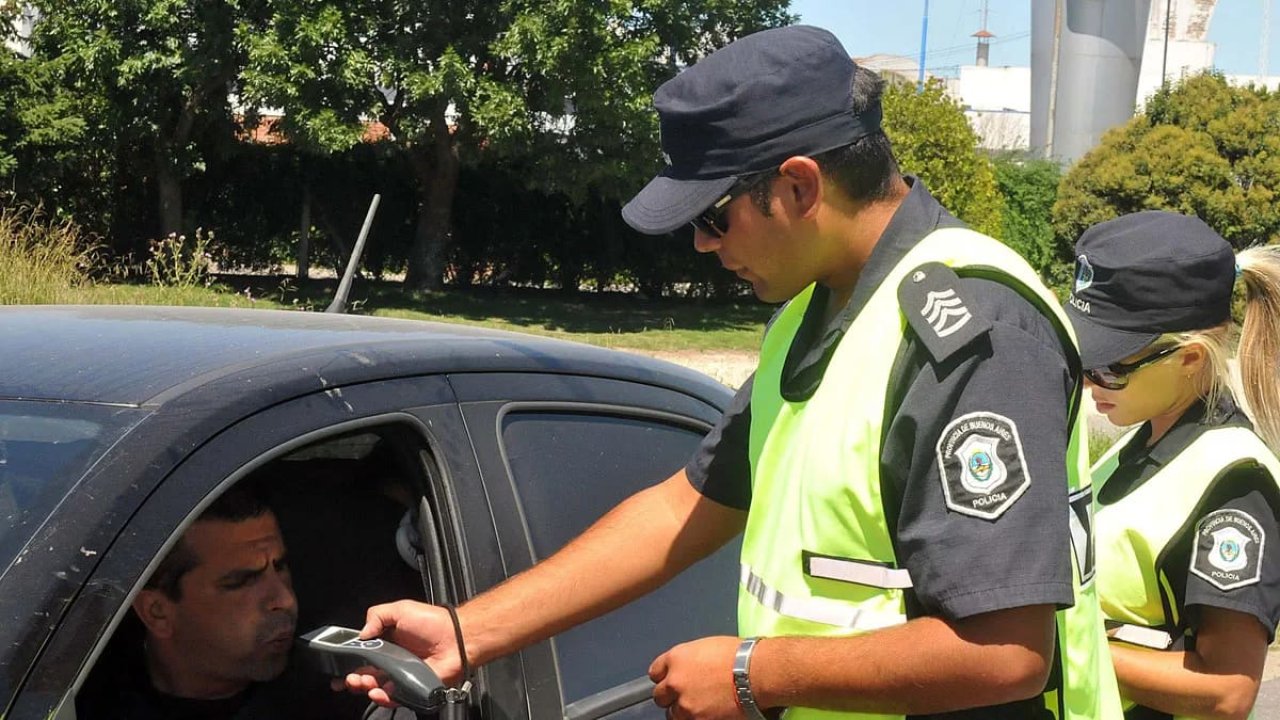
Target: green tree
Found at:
x=148, y=77
x=1029, y=187
x=563, y=84
x=10, y=128
x=1201, y=147
x=933, y=140
x=43, y=160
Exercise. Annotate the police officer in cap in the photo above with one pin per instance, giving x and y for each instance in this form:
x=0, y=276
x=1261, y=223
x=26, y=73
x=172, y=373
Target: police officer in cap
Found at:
x=906, y=465
x=1188, y=499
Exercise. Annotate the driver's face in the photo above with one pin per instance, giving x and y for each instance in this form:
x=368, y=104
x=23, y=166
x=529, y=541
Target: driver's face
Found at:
x=238, y=611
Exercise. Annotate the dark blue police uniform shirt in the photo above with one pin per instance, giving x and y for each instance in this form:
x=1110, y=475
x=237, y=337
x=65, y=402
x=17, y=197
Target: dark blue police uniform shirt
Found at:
x=961, y=565
x=1247, y=488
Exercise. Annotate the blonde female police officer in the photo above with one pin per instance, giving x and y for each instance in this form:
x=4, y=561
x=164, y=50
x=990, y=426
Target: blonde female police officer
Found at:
x=1186, y=530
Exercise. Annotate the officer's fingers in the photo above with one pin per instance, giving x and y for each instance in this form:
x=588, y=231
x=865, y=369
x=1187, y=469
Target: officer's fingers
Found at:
x=361, y=683
x=381, y=618
x=664, y=696
x=381, y=697
x=377, y=620
x=658, y=668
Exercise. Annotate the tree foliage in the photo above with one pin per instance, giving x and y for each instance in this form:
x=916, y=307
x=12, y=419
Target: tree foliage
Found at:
x=562, y=84
x=1029, y=187
x=1201, y=147
x=148, y=80
x=933, y=140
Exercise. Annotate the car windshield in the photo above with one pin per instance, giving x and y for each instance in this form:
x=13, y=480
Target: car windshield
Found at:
x=44, y=449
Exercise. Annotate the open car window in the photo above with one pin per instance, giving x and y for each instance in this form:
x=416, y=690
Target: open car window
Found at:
x=345, y=505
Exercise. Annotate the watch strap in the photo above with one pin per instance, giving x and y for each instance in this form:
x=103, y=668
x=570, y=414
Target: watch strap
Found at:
x=742, y=680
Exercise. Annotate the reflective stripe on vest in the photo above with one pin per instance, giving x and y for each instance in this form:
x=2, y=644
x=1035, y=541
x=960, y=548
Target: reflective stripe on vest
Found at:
x=817, y=554
x=1147, y=637
x=816, y=609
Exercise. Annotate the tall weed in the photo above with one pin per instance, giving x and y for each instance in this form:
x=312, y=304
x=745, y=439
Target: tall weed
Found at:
x=179, y=261
x=41, y=258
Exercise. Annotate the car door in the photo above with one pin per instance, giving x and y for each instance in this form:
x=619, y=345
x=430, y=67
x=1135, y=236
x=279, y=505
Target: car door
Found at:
x=556, y=451
x=421, y=409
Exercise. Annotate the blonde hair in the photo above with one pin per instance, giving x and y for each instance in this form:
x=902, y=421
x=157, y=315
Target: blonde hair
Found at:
x=1214, y=379
x=1259, y=352
x=1259, y=345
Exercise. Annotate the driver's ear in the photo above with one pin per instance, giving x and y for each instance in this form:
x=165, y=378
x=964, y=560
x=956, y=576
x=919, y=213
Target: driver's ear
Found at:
x=156, y=611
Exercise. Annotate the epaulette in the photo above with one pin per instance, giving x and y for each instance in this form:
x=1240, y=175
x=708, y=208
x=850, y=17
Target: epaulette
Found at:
x=938, y=311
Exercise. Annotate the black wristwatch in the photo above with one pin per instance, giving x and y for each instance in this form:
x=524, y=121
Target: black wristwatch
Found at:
x=742, y=681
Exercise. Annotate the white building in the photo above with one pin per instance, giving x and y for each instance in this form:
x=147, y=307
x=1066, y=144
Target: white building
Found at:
x=997, y=101
x=1177, y=43
x=899, y=66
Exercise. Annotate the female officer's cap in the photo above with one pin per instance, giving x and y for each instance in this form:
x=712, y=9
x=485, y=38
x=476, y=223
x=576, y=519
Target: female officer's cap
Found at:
x=1143, y=275
x=744, y=109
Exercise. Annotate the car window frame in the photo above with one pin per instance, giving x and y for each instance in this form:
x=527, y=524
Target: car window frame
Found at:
x=436, y=416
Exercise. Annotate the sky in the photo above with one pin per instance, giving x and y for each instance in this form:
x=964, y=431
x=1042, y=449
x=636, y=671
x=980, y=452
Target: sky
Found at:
x=867, y=27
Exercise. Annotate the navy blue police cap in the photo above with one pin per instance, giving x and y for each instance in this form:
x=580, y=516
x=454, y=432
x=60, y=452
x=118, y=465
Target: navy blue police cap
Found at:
x=744, y=109
x=1143, y=275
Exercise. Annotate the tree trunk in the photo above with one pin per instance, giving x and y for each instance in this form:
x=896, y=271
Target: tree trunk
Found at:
x=169, y=188
x=436, y=168
x=168, y=166
x=303, y=255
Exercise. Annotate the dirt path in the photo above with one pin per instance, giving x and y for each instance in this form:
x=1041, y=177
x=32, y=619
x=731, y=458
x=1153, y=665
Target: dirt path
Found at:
x=729, y=367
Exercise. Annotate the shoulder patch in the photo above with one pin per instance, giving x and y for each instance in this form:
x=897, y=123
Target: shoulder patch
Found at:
x=1227, y=549
x=981, y=464
x=937, y=310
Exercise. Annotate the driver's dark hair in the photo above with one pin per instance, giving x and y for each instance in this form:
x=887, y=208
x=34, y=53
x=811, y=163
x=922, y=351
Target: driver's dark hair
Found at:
x=864, y=170
x=244, y=501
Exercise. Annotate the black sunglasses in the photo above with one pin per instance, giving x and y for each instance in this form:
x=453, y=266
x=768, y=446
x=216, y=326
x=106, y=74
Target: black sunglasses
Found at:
x=713, y=220
x=1116, y=375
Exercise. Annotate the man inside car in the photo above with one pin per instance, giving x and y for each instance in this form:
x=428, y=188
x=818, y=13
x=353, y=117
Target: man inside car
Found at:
x=217, y=617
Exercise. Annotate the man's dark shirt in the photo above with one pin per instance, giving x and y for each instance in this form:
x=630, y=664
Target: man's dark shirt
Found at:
x=119, y=688
x=960, y=565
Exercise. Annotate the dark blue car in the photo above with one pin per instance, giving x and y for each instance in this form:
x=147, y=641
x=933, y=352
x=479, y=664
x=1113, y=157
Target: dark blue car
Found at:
x=118, y=425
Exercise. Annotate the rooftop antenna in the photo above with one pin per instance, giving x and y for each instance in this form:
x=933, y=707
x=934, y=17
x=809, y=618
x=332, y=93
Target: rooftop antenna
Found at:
x=339, y=304
x=984, y=39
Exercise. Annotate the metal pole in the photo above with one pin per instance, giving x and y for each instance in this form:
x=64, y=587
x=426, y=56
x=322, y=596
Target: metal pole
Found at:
x=924, y=41
x=1053, y=77
x=1164, y=62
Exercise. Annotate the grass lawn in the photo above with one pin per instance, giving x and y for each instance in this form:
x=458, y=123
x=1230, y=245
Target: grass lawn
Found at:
x=608, y=320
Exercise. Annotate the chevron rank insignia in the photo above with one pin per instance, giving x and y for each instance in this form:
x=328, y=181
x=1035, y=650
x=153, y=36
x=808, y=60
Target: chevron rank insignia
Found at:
x=940, y=315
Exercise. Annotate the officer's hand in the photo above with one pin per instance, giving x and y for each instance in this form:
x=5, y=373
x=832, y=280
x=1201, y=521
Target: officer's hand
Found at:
x=694, y=681
x=425, y=630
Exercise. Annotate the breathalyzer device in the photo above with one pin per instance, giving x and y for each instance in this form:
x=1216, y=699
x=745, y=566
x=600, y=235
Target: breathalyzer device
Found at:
x=340, y=650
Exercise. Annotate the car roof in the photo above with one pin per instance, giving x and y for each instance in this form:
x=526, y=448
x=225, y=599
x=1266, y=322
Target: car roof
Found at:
x=145, y=355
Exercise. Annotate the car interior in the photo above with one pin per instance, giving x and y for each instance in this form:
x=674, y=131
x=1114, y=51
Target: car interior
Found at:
x=352, y=509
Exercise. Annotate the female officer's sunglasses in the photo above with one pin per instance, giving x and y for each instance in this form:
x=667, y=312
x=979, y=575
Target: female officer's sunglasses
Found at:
x=1116, y=375
x=713, y=220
